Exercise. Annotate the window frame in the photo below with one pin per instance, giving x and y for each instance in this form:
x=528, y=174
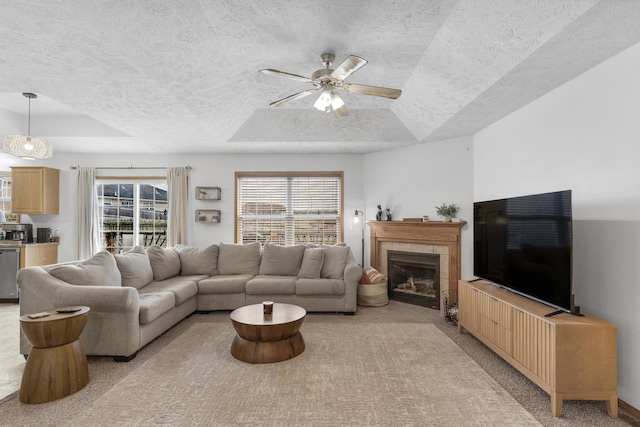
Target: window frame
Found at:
x=136, y=181
x=288, y=174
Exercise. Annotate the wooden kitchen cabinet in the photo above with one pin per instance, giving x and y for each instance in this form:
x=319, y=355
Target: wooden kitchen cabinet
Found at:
x=38, y=254
x=35, y=190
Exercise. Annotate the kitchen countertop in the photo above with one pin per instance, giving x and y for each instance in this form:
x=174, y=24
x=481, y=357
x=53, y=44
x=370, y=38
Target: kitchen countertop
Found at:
x=12, y=244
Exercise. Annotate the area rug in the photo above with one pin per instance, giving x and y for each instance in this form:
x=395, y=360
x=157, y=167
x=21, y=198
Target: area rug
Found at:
x=360, y=374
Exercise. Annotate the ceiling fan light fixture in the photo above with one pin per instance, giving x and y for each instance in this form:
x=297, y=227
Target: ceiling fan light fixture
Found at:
x=336, y=101
x=26, y=146
x=323, y=103
x=328, y=80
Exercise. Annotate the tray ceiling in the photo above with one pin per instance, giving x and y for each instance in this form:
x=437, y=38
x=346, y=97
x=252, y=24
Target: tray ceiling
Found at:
x=181, y=76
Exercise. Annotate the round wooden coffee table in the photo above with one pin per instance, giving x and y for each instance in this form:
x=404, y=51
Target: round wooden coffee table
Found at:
x=57, y=364
x=267, y=338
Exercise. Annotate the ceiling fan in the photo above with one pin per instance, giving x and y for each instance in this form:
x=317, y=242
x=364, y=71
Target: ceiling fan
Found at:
x=327, y=80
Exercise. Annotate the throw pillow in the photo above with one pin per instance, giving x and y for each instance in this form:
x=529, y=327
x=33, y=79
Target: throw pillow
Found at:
x=374, y=275
x=239, y=259
x=134, y=267
x=312, y=262
x=194, y=261
x=335, y=259
x=99, y=270
x=281, y=260
x=364, y=279
x=165, y=263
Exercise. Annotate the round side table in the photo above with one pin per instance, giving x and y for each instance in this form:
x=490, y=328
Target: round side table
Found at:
x=57, y=364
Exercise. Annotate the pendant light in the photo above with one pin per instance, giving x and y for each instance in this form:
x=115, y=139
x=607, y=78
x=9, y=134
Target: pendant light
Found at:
x=27, y=146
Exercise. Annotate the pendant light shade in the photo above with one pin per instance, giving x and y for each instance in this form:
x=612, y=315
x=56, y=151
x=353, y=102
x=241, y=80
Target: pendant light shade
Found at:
x=27, y=146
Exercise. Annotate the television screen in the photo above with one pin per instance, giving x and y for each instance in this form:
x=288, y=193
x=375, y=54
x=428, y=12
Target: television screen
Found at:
x=524, y=244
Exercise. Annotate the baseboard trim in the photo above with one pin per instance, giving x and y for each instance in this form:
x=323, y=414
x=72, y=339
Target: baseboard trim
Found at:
x=634, y=412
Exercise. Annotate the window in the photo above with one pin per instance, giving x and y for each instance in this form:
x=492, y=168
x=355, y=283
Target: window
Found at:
x=288, y=208
x=129, y=208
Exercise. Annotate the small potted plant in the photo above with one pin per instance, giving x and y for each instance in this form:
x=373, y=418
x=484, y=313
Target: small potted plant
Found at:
x=447, y=211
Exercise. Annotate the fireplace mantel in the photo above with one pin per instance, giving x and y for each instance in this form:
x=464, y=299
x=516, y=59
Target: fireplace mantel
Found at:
x=439, y=234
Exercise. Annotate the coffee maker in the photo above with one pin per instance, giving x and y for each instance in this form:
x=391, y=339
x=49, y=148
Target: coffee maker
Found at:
x=22, y=233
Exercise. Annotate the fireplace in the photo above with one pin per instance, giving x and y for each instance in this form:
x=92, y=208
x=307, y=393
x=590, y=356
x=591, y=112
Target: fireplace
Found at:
x=440, y=240
x=414, y=278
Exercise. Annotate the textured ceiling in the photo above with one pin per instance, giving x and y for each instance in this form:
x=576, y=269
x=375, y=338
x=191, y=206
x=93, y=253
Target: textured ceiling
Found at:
x=180, y=76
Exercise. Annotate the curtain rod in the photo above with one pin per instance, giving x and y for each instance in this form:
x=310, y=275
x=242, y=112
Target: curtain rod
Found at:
x=129, y=167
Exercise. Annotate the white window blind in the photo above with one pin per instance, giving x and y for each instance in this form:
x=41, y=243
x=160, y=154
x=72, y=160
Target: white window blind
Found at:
x=290, y=208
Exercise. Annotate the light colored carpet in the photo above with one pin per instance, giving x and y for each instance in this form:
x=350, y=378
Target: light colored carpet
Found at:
x=106, y=374
x=360, y=374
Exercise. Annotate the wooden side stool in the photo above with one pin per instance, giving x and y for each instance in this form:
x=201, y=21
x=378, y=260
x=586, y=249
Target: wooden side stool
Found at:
x=57, y=364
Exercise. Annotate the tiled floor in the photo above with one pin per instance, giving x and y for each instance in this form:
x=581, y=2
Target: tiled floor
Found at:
x=11, y=361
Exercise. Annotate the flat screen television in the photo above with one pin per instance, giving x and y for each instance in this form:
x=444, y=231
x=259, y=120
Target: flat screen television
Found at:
x=524, y=244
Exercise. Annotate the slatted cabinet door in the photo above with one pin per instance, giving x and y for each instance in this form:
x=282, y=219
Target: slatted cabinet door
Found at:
x=534, y=346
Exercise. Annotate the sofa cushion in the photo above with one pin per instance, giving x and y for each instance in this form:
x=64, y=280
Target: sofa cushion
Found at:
x=320, y=287
x=312, y=263
x=198, y=260
x=281, y=260
x=235, y=284
x=99, y=270
x=239, y=259
x=134, y=267
x=272, y=285
x=335, y=259
x=181, y=287
x=165, y=263
x=154, y=305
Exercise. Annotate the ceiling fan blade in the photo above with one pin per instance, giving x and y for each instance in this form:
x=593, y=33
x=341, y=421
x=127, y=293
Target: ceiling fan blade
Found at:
x=373, y=90
x=349, y=66
x=286, y=75
x=293, y=97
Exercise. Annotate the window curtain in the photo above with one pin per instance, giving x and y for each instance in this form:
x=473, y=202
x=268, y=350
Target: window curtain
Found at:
x=88, y=216
x=177, y=210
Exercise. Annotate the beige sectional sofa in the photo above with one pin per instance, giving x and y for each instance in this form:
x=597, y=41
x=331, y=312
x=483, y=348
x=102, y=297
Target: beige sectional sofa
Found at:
x=136, y=296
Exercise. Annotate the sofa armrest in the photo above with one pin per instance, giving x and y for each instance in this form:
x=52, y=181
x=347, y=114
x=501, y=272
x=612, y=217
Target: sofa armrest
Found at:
x=352, y=275
x=113, y=327
x=352, y=272
x=39, y=290
x=106, y=299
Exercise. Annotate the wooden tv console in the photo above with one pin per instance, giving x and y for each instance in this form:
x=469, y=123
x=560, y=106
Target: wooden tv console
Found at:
x=570, y=357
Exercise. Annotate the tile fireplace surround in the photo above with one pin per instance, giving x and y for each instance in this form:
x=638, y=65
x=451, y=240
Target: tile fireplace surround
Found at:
x=442, y=238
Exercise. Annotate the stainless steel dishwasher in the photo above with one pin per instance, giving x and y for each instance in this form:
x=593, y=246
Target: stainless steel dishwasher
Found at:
x=9, y=265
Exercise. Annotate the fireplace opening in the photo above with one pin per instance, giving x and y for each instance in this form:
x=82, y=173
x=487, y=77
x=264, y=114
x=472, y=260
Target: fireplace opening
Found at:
x=414, y=278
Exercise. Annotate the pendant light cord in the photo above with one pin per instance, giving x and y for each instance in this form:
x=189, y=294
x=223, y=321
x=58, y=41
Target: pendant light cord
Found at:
x=29, y=119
